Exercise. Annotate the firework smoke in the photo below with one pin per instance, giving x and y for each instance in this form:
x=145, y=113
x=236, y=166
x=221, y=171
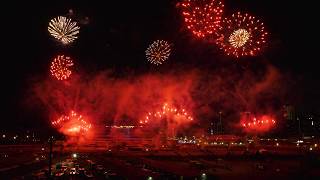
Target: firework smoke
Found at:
x=109, y=100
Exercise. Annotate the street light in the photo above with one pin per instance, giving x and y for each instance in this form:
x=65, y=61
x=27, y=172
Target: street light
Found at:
x=203, y=176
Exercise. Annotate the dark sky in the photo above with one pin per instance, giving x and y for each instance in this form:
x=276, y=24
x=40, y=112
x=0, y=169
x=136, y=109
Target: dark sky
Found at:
x=119, y=31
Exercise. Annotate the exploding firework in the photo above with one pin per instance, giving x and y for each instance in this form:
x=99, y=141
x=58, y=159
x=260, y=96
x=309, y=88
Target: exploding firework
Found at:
x=202, y=17
x=261, y=124
x=63, y=29
x=72, y=124
x=60, y=67
x=167, y=111
x=158, y=52
x=241, y=35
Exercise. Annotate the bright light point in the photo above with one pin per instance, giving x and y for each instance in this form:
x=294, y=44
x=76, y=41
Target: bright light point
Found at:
x=3, y=136
x=277, y=144
x=150, y=178
x=310, y=148
x=74, y=155
x=315, y=145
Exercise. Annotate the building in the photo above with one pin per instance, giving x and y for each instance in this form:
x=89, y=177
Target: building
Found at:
x=300, y=123
x=216, y=125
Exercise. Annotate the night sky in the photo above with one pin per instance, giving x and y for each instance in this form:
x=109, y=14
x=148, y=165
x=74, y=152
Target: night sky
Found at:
x=118, y=32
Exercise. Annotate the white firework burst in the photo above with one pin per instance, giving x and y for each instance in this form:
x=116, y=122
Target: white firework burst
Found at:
x=158, y=52
x=63, y=29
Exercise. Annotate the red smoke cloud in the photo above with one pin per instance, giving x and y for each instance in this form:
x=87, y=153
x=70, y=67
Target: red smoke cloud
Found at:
x=107, y=99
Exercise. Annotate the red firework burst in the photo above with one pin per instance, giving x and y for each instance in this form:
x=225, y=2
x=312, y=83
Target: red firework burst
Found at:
x=168, y=111
x=202, y=17
x=241, y=35
x=60, y=67
x=72, y=124
x=261, y=124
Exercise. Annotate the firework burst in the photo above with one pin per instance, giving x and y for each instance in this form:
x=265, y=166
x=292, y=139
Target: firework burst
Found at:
x=168, y=111
x=202, y=17
x=241, y=35
x=257, y=124
x=158, y=52
x=63, y=29
x=60, y=67
x=72, y=124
